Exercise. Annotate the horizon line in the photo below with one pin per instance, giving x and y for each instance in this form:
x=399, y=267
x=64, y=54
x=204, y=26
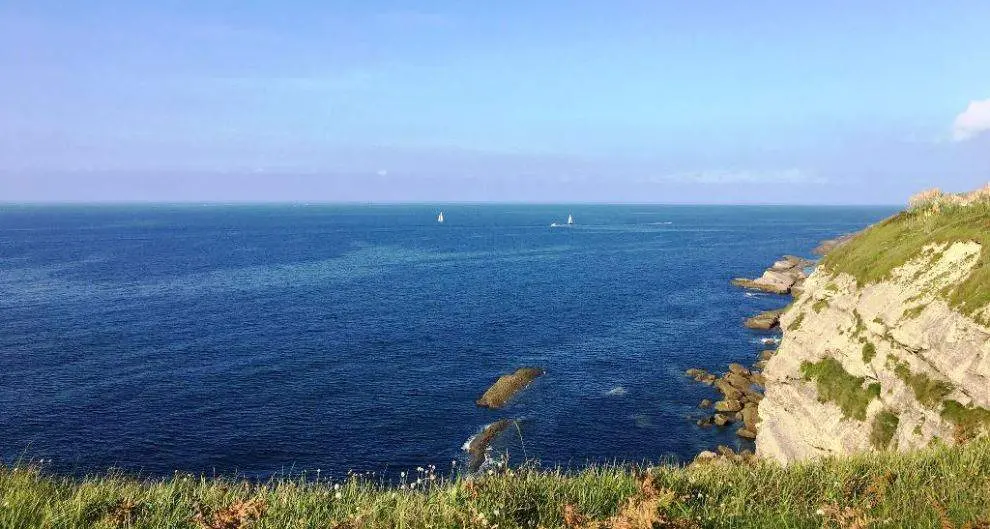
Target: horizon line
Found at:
x=418, y=203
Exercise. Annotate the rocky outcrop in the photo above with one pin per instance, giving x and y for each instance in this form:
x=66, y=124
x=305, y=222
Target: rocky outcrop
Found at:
x=479, y=444
x=740, y=396
x=764, y=321
x=884, y=365
x=785, y=275
x=507, y=386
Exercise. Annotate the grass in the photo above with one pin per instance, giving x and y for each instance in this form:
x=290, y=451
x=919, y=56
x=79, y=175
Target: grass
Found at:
x=884, y=426
x=836, y=385
x=819, y=305
x=969, y=420
x=796, y=324
x=876, y=252
x=930, y=392
x=940, y=486
x=913, y=312
x=869, y=352
x=860, y=325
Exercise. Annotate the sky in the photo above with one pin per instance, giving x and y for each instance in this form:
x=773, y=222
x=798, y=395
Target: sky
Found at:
x=846, y=102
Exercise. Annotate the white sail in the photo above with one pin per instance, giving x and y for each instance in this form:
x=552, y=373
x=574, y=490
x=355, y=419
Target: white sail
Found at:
x=570, y=219
x=440, y=217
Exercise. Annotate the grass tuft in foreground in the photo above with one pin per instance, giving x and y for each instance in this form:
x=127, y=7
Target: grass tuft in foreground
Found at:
x=938, y=487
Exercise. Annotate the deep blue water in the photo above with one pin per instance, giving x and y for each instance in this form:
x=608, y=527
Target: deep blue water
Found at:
x=256, y=339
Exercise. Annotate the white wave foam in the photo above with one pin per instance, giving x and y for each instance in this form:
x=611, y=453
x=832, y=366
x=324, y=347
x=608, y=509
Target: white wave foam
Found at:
x=617, y=391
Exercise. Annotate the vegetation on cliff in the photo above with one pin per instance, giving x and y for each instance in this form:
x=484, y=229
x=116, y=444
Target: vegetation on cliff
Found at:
x=937, y=487
x=933, y=218
x=836, y=385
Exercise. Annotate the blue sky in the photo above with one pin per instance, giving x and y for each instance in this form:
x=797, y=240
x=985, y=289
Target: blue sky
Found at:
x=695, y=101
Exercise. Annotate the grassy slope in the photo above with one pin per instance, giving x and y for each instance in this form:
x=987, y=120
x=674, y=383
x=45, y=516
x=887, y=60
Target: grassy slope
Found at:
x=894, y=490
x=871, y=256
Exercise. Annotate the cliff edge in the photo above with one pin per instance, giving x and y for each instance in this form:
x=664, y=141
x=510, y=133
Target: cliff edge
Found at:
x=888, y=346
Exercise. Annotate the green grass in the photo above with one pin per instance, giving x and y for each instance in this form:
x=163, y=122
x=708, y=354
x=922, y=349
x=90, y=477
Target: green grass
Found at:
x=819, y=305
x=860, y=324
x=937, y=487
x=796, y=323
x=970, y=420
x=913, y=312
x=928, y=391
x=836, y=385
x=869, y=352
x=876, y=252
x=884, y=426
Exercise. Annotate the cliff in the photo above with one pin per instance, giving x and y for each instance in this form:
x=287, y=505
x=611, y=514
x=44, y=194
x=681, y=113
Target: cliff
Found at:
x=888, y=346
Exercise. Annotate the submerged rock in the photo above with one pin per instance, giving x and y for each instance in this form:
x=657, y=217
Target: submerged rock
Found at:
x=479, y=443
x=508, y=386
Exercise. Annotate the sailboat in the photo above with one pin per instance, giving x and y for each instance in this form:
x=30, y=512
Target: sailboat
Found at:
x=570, y=223
x=440, y=218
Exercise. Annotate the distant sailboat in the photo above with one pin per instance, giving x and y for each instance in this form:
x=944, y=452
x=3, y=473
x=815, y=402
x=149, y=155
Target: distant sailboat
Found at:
x=440, y=218
x=570, y=223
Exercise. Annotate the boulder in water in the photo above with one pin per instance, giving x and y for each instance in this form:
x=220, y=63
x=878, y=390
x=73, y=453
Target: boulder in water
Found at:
x=508, y=386
x=764, y=321
x=479, y=443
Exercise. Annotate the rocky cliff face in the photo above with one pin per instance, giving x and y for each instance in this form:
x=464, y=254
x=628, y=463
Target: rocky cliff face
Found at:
x=890, y=363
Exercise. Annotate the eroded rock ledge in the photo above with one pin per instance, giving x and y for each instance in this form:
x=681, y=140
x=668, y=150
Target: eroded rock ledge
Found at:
x=782, y=277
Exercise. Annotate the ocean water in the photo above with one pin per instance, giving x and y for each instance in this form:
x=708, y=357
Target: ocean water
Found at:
x=264, y=339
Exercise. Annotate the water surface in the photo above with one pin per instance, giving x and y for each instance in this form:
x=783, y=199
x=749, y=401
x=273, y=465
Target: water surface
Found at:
x=256, y=339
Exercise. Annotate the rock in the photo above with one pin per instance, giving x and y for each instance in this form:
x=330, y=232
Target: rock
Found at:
x=479, y=443
x=779, y=278
x=728, y=405
x=746, y=434
x=705, y=403
x=764, y=321
x=783, y=264
x=727, y=390
x=768, y=354
x=720, y=419
x=759, y=379
x=797, y=288
x=705, y=457
x=695, y=372
x=704, y=422
x=739, y=382
x=507, y=386
x=708, y=379
x=725, y=451
x=738, y=369
x=750, y=417
x=830, y=244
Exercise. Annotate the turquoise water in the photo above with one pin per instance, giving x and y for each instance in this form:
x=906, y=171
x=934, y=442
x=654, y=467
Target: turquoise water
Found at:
x=258, y=339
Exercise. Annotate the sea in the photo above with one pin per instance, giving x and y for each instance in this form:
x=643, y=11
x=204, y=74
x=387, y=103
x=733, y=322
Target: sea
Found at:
x=261, y=340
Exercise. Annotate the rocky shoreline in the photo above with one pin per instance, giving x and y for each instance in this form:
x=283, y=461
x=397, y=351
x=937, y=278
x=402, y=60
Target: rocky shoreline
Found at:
x=741, y=388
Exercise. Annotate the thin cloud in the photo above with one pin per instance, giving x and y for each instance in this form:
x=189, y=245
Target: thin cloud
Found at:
x=782, y=176
x=974, y=121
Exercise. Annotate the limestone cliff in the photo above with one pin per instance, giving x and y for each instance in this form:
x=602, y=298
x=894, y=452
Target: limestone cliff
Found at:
x=888, y=346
